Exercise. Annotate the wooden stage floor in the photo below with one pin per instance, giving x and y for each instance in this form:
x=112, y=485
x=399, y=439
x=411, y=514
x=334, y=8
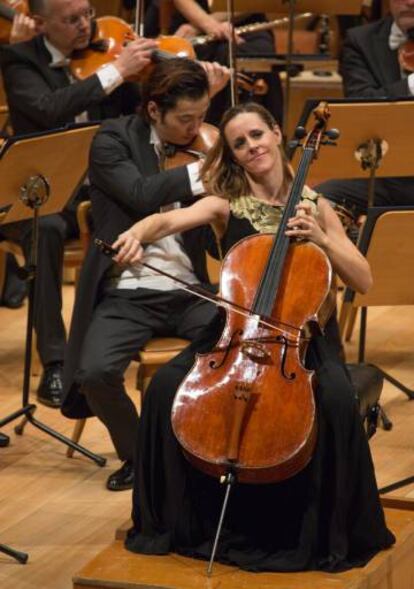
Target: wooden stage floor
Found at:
x=58, y=510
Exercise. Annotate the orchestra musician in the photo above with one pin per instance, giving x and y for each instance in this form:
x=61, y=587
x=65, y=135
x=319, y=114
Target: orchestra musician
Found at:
x=23, y=28
x=370, y=69
x=328, y=516
x=41, y=95
x=191, y=18
x=115, y=312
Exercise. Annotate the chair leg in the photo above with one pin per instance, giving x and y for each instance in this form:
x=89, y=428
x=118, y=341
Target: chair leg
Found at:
x=385, y=420
x=36, y=368
x=139, y=382
x=3, y=257
x=351, y=323
x=77, y=432
x=343, y=318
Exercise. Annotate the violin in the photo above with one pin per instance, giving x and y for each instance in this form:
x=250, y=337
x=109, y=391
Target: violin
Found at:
x=246, y=409
x=406, y=53
x=181, y=155
x=8, y=10
x=110, y=34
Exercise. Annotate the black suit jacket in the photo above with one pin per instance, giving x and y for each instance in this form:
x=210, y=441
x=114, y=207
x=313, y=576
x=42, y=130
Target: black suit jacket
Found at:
x=42, y=98
x=369, y=68
x=126, y=185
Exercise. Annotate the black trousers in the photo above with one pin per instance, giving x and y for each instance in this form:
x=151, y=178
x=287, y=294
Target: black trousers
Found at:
x=48, y=322
x=123, y=322
x=353, y=194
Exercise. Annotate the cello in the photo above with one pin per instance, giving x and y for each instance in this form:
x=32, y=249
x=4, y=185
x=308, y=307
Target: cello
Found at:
x=251, y=393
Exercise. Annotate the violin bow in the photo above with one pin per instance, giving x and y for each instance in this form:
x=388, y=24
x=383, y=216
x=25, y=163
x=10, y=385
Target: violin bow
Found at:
x=232, y=60
x=139, y=18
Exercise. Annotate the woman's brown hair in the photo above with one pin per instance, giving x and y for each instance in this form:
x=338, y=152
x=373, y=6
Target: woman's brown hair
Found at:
x=220, y=172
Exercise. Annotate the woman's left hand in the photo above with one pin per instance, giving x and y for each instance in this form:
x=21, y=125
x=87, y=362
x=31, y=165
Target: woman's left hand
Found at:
x=305, y=225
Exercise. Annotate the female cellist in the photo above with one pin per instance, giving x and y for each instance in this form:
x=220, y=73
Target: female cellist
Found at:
x=328, y=516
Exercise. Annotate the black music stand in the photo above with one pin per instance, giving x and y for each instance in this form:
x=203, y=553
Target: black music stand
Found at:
x=375, y=142
x=37, y=179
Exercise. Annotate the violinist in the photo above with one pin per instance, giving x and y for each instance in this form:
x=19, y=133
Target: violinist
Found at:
x=370, y=68
x=23, y=28
x=191, y=18
x=42, y=96
x=116, y=312
x=328, y=516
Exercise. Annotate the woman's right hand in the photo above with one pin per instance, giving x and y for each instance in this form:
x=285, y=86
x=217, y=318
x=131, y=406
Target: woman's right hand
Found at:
x=129, y=248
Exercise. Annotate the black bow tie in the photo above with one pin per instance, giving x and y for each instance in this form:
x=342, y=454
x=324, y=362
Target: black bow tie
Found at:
x=169, y=149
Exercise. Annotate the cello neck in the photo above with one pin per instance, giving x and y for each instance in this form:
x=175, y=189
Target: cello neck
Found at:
x=267, y=292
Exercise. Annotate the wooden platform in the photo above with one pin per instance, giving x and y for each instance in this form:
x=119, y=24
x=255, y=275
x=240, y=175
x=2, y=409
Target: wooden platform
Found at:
x=115, y=568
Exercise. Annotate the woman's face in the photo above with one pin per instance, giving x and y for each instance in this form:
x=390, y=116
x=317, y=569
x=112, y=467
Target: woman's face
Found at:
x=255, y=147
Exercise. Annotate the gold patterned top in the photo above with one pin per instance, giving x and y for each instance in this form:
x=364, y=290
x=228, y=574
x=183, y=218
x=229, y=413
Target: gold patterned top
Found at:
x=263, y=216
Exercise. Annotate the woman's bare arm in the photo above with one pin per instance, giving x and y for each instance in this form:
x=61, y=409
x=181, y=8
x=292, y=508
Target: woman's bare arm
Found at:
x=327, y=232
x=208, y=210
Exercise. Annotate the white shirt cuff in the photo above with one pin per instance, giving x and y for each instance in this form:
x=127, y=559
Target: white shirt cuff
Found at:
x=196, y=184
x=410, y=80
x=109, y=77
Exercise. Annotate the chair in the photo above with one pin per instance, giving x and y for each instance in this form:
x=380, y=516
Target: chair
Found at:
x=158, y=351
x=387, y=241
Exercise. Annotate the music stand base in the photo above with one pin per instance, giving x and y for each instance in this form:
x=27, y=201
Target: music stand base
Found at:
x=16, y=554
x=27, y=411
x=396, y=485
x=398, y=384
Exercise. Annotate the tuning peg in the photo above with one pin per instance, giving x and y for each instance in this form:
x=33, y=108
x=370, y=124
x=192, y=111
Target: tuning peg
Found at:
x=332, y=134
x=300, y=132
x=293, y=144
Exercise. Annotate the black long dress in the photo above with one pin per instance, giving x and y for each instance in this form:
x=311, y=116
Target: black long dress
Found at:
x=327, y=517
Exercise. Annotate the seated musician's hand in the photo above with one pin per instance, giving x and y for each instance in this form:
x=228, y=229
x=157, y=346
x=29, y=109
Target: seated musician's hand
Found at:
x=130, y=250
x=221, y=31
x=23, y=28
x=186, y=31
x=305, y=225
x=218, y=76
x=135, y=56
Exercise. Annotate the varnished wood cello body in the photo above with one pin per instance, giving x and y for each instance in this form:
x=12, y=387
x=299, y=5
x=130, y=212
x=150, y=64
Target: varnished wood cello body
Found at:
x=248, y=407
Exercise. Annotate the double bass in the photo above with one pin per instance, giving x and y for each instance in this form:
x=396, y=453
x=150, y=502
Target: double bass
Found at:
x=247, y=407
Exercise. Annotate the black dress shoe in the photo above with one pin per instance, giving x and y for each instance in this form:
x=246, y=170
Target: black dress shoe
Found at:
x=122, y=479
x=50, y=391
x=15, y=288
x=4, y=440
x=14, y=301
